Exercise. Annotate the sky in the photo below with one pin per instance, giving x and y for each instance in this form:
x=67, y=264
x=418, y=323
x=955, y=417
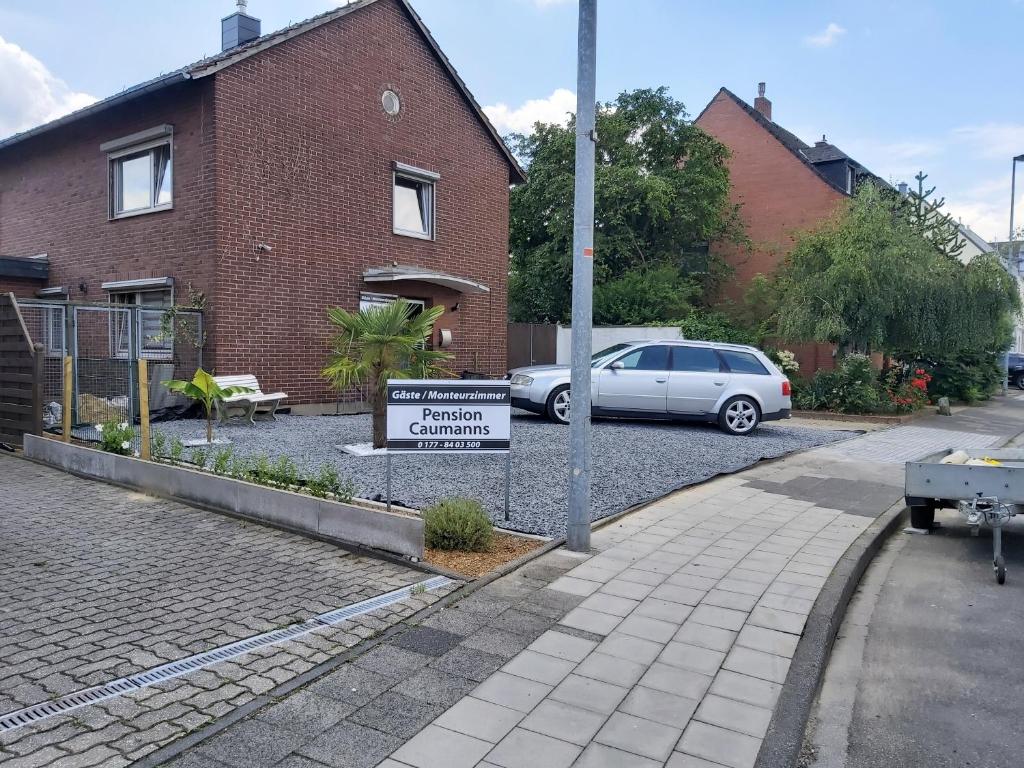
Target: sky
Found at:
x=899, y=85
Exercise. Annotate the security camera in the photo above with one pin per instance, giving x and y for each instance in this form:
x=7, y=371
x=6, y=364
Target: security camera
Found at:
x=263, y=248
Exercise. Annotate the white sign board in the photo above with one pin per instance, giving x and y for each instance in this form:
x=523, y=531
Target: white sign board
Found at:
x=449, y=416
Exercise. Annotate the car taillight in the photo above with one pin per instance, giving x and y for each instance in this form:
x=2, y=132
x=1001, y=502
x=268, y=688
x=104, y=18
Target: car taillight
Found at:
x=786, y=389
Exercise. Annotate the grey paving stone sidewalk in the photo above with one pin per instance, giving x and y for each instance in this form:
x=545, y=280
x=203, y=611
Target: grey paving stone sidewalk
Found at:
x=357, y=715
x=97, y=582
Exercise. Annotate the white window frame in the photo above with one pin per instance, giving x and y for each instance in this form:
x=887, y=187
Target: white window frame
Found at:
x=116, y=335
x=122, y=151
x=55, y=337
x=428, y=179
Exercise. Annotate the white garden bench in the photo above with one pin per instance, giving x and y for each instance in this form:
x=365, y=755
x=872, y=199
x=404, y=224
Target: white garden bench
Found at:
x=249, y=404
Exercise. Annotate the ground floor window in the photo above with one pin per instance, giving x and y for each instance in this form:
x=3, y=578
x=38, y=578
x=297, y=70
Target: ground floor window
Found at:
x=152, y=342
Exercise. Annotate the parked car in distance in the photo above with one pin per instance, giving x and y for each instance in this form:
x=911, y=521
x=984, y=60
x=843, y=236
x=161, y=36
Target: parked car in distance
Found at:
x=1015, y=370
x=732, y=384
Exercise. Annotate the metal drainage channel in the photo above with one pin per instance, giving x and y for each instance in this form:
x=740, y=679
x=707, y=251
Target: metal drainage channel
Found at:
x=38, y=712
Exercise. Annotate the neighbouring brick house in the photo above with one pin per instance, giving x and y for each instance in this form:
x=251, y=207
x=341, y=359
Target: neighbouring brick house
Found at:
x=340, y=161
x=782, y=185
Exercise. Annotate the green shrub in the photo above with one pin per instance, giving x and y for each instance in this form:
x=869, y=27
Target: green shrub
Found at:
x=116, y=437
x=199, y=456
x=704, y=325
x=158, y=444
x=222, y=460
x=853, y=387
x=177, y=449
x=967, y=377
x=325, y=483
x=458, y=524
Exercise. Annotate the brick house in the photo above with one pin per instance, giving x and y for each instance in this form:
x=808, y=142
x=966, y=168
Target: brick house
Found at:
x=782, y=186
x=338, y=162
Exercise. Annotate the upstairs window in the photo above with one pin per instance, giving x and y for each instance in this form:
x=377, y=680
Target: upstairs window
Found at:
x=140, y=172
x=413, y=201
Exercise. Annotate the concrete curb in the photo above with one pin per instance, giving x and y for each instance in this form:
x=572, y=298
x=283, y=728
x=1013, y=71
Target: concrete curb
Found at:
x=784, y=739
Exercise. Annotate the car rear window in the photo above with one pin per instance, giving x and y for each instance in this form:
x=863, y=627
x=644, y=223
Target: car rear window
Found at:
x=695, y=359
x=743, y=362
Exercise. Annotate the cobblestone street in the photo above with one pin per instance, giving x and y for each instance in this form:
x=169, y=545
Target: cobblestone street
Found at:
x=99, y=582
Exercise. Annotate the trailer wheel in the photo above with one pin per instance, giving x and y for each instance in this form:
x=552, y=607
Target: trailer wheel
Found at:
x=1000, y=568
x=922, y=517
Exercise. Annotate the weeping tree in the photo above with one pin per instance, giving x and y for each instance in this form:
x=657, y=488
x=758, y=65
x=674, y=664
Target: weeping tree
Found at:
x=380, y=343
x=869, y=280
x=661, y=194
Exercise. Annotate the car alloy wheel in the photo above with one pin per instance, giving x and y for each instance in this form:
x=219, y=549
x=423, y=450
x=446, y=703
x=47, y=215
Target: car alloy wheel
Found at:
x=740, y=416
x=558, y=405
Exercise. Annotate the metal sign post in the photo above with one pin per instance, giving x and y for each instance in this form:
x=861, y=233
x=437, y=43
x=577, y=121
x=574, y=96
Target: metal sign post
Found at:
x=450, y=416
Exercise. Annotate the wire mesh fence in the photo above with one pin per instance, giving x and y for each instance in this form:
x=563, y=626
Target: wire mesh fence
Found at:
x=104, y=344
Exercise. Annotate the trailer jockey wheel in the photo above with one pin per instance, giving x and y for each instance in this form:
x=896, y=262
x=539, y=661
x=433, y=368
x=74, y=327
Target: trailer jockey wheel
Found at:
x=922, y=517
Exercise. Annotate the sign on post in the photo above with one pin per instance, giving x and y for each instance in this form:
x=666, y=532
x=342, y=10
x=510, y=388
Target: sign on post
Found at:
x=449, y=416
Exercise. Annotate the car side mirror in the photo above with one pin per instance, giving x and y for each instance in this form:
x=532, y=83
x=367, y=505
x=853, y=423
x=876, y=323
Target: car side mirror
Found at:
x=618, y=365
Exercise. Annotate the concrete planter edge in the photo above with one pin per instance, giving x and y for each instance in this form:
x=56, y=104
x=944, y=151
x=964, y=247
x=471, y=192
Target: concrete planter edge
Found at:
x=323, y=518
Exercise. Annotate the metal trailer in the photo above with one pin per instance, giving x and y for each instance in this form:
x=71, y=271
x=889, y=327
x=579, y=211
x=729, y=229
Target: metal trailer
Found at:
x=983, y=494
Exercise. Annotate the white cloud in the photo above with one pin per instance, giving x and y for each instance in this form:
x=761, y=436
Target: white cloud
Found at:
x=985, y=207
x=554, y=109
x=993, y=140
x=827, y=37
x=29, y=93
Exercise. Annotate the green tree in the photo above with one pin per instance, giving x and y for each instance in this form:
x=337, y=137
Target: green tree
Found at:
x=661, y=194
x=381, y=343
x=869, y=280
x=928, y=220
x=205, y=390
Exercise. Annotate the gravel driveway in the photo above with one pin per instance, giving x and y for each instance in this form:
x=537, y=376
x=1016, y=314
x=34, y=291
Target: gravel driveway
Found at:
x=633, y=461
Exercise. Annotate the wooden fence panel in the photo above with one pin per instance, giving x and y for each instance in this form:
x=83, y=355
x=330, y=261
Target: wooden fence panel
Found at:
x=20, y=398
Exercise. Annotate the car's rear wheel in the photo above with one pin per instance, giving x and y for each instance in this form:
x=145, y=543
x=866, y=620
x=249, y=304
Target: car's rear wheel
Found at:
x=1018, y=381
x=558, y=404
x=739, y=416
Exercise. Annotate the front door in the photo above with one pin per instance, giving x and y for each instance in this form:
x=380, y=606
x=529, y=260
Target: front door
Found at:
x=696, y=381
x=640, y=384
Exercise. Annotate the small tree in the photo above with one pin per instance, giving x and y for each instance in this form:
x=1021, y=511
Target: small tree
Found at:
x=204, y=389
x=381, y=343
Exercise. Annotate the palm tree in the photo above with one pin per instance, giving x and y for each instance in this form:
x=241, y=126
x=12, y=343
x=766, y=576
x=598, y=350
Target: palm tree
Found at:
x=381, y=343
x=205, y=389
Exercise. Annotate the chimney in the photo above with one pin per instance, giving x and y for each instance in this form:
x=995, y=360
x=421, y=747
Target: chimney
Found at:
x=761, y=104
x=823, y=142
x=902, y=187
x=239, y=28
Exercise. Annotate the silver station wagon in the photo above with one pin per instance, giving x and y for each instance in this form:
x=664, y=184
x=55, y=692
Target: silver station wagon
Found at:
x=734, y=385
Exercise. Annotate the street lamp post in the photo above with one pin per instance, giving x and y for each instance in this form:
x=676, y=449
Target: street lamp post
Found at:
x=1011, y=259
x=578, y=527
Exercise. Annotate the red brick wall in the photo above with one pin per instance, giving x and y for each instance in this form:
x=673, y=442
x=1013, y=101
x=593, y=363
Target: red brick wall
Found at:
x=289, y=147
x=304, y=158
x=53, y=199
x=778, y=195
x=22, y=288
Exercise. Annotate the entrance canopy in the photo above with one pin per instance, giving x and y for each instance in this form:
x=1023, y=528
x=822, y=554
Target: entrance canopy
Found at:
x=399, y=274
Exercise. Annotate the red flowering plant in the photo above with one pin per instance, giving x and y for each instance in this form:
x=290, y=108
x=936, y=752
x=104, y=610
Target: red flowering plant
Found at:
x=907, y=389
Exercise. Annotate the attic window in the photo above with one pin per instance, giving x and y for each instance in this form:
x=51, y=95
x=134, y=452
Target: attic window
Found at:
x=140, y=173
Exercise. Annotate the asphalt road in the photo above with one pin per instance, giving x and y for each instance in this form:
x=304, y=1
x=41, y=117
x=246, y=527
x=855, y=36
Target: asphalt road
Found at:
x=929, y=666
